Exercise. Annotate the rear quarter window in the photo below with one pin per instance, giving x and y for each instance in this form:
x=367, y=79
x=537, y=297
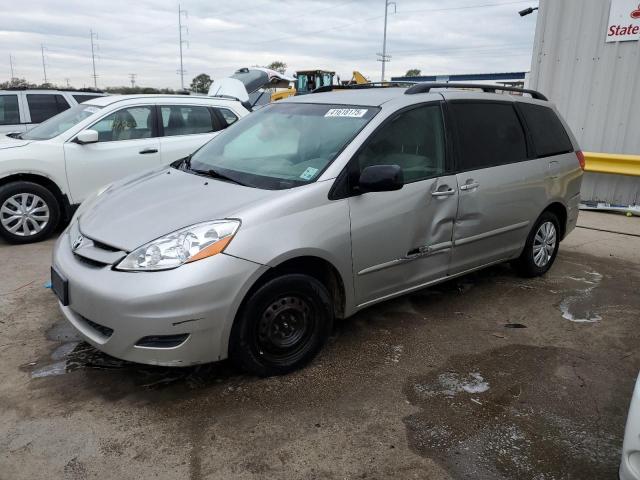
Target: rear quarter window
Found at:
x=44, y=106
x=547, y=132
x=9, y=113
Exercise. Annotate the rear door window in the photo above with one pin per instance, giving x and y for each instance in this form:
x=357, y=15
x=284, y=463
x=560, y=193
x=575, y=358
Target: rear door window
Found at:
x=548, y=133
x=186, y=120
x=488, y=134
x=9, y=112
x=45, y=106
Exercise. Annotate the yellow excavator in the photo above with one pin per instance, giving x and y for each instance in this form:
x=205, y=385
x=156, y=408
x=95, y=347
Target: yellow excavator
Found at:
x=309, y=80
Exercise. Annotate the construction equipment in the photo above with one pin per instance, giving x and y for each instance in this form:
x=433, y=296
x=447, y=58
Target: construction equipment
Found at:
x=308, y=80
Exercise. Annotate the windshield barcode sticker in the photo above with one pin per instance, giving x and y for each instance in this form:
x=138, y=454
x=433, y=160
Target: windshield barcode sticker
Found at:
x=346, y=112
x=308, y=173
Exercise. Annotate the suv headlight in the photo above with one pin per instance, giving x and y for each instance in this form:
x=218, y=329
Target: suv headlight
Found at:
x=182, y=246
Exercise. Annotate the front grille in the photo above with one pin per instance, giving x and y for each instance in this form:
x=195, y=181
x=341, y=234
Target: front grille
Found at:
x=104, y=331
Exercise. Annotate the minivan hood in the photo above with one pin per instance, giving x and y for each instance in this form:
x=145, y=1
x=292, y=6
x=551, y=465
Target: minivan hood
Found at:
x=160, y=202
x=10, y=142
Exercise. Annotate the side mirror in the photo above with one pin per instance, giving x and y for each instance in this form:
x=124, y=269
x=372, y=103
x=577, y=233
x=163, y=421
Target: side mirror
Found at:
x=87, y=136
x=381, y=178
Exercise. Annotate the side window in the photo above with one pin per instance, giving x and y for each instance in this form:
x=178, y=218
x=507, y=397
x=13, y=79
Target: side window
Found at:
x=44, y=106
x=84, y=98
x=414, y=140
x=186, y=120
x=126, y=124
x=547, y=131
x=9, y=113
x=489, y=134
x=227, y=114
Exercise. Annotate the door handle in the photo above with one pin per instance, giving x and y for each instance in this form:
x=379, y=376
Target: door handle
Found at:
x=148, y=150
x=443, y=193
x=469, y=186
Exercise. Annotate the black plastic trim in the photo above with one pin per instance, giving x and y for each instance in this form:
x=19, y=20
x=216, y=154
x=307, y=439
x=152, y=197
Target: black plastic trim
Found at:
x=426, y=87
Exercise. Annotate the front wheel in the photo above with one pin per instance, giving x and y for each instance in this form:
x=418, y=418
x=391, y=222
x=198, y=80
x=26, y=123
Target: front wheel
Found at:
x=28, y=212
x=281, y=326
x=541, y=248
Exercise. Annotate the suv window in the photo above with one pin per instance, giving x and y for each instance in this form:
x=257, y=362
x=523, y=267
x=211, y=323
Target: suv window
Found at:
x=126, y=124
x=227, y=114
x=414, y=140
x=84, y=98
x=548, y=133
x=489, y=134
x=45, y=106
x=186, y=120
x=9, y=113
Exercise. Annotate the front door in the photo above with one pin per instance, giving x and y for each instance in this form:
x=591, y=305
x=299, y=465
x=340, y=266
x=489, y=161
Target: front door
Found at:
x=402, y=239
x=127, y=144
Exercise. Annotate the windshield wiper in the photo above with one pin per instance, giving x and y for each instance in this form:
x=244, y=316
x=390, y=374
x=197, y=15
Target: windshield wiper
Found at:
x=215, y=174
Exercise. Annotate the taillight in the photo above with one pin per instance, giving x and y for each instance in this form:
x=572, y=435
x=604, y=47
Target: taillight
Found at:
x=580, y=156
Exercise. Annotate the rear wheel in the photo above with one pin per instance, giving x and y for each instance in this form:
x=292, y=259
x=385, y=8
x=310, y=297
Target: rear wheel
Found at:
x=541, y=248
x=282, y=325
x=28, y=212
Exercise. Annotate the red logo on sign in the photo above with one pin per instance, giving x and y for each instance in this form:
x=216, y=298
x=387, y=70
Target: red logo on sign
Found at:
x=636, y=13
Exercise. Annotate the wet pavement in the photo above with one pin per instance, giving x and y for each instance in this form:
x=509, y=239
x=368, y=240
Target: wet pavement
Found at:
x=489, y=376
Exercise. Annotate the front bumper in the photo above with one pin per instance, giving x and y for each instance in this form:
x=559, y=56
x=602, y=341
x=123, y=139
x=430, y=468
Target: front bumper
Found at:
x=630, y=463
x=199, y=299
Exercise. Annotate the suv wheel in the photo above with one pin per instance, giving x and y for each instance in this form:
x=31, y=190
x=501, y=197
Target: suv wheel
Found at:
x=28, y=212
x=282, y=326
x=541, y=248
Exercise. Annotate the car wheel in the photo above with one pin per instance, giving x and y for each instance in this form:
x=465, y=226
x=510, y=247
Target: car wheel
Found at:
x=28, y=212
x=281, y=326
x=541, y=248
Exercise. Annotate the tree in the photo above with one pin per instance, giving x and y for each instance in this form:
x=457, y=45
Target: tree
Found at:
x=201, y=83
x=278, y=66
x=414, y=72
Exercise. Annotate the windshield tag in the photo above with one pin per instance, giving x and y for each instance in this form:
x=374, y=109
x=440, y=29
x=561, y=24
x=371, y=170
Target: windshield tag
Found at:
x=309, y=173
x=346, y=112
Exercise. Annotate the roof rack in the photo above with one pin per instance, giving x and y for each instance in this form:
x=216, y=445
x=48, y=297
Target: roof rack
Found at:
x=359, y=86
x=425, y=87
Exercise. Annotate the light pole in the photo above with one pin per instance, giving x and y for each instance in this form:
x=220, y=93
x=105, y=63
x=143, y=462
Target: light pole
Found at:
x=384, y=58
x=527, y=11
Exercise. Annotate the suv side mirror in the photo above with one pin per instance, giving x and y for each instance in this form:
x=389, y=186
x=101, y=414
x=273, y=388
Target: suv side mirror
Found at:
x=381, y=178
x=87, y=136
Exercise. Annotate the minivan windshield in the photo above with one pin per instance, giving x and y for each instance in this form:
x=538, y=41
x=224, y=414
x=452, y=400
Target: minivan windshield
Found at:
x=283, y=145
x=60, y=123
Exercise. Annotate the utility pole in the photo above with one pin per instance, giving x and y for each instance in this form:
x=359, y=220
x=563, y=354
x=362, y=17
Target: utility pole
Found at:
x=132, y=78
x=11, y=65
x=384, y=58
x=93, y=58
x=44, y=68
x=181, y=71
x=67, y=80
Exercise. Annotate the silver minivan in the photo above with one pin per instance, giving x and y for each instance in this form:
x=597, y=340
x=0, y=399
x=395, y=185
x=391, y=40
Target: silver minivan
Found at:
x=312, y=209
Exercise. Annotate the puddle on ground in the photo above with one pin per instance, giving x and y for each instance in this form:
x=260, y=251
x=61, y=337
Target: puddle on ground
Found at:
x=517, y=412
x=579, y=307
x=72, y=354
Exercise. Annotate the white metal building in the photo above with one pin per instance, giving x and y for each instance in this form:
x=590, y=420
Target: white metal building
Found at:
x=586, y=59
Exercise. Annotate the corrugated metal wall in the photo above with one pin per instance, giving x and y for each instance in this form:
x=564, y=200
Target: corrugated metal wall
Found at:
x=596, y=86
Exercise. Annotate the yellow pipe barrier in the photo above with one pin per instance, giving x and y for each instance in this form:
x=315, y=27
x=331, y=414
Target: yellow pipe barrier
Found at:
x=612, y=163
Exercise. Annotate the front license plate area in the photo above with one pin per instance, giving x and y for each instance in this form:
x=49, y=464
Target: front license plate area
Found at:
x=60, y=287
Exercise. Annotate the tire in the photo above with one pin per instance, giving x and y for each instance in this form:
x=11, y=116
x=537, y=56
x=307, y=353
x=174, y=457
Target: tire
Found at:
x=281, y=326
x=541, y=248
x=37, y=222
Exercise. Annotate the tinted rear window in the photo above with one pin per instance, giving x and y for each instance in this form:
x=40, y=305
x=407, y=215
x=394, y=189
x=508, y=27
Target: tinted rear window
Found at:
x=45, y=106
x=547, y=131
x=9, y=113
x=489, y=134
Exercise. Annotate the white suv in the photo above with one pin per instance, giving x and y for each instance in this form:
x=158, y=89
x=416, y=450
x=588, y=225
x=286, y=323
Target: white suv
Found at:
x=48, y=170
x=21, y=110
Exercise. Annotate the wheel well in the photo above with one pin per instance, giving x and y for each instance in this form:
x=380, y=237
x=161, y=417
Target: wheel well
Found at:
x=315, y=267
x=559, y=211
x=47, y=183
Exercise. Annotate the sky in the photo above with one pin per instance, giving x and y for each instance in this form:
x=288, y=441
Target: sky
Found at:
x=141, y=37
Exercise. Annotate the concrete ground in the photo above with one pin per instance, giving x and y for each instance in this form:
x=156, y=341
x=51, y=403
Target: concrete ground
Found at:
x=487, y=377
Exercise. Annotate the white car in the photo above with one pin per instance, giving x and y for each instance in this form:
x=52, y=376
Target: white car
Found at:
x=630, y=464
x=22, y=109
x=48, y=170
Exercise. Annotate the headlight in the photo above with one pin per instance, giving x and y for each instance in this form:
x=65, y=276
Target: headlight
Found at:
x=182, y=246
